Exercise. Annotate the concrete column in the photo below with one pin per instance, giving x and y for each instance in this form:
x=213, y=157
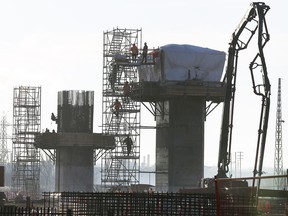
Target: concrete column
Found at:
x=74, y=169
x=74, y=163
x=180, y=144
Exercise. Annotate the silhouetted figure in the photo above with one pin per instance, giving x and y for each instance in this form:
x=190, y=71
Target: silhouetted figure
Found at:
x=126, y=91
x=144, y=53
x=129, y=143
x=53, y=117
x=113, y=76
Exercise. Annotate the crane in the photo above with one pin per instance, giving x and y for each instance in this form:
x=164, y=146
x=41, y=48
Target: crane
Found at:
x=252, y=23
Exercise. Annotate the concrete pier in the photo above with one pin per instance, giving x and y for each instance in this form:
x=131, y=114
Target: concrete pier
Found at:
x=180, y=144
x=74, y=169
x=74, y=141
x=180, y=112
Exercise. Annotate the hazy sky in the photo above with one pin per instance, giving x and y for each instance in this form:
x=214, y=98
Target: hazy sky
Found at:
x=58, y=45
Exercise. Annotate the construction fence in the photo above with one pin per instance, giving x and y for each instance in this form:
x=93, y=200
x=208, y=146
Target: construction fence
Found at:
x=228, y=197
x=130, y=204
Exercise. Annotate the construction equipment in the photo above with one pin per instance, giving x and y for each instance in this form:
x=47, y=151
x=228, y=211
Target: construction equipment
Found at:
x=254, y=21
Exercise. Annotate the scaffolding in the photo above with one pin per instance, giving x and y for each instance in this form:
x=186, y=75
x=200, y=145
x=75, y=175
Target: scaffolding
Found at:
x=26, y=123
x=121, y=165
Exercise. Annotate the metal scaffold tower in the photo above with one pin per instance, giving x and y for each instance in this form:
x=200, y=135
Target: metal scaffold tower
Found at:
x=279, y=183
x=3, y=141
x=26, y=123
x=121, y=165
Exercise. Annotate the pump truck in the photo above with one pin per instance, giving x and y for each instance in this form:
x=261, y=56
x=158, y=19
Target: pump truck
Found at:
x=254, y=22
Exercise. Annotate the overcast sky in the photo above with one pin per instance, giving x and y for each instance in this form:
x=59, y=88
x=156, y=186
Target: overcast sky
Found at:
x=58, y=45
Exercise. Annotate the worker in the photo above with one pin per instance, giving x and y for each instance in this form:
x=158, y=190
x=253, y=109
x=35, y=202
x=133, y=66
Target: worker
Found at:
x=134, y=51
x=155, y=54
x=53, y=117
x=113, y=76
x=126, y=91
x=144, y=53
x=117, y=105
x=129, y=143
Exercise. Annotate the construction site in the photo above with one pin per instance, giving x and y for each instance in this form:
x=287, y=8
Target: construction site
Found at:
x=180, y=85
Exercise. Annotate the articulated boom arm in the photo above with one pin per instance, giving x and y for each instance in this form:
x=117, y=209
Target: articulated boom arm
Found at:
x=258, y=66
x=253, y=20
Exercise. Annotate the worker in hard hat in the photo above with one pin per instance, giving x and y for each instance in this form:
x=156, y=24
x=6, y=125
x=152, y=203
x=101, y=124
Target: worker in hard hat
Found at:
x=134, y=52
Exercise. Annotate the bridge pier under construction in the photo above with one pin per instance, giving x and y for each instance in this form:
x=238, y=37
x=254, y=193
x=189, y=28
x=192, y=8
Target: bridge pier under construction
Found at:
x=180, y=144
x=180, y=113
x=176, y=80
x=74, y=142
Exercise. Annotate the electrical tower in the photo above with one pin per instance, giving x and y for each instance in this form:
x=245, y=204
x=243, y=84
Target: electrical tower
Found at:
x=121, y=165
x=3, y=141
x=279, y=183
x=26, y=123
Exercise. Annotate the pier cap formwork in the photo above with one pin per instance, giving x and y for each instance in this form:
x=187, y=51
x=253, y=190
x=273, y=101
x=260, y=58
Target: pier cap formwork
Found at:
x=181, y=70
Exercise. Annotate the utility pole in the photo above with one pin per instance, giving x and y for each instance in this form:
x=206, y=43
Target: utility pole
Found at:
x=3, y=141
x=279, y=183
x=238, y=160
x=240, y=157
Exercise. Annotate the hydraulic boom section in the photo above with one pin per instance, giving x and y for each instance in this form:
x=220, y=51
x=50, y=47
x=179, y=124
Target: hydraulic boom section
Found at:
x=253, y=20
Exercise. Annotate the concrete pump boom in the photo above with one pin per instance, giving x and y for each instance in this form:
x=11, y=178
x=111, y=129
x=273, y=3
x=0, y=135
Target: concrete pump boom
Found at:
x=254, y=20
